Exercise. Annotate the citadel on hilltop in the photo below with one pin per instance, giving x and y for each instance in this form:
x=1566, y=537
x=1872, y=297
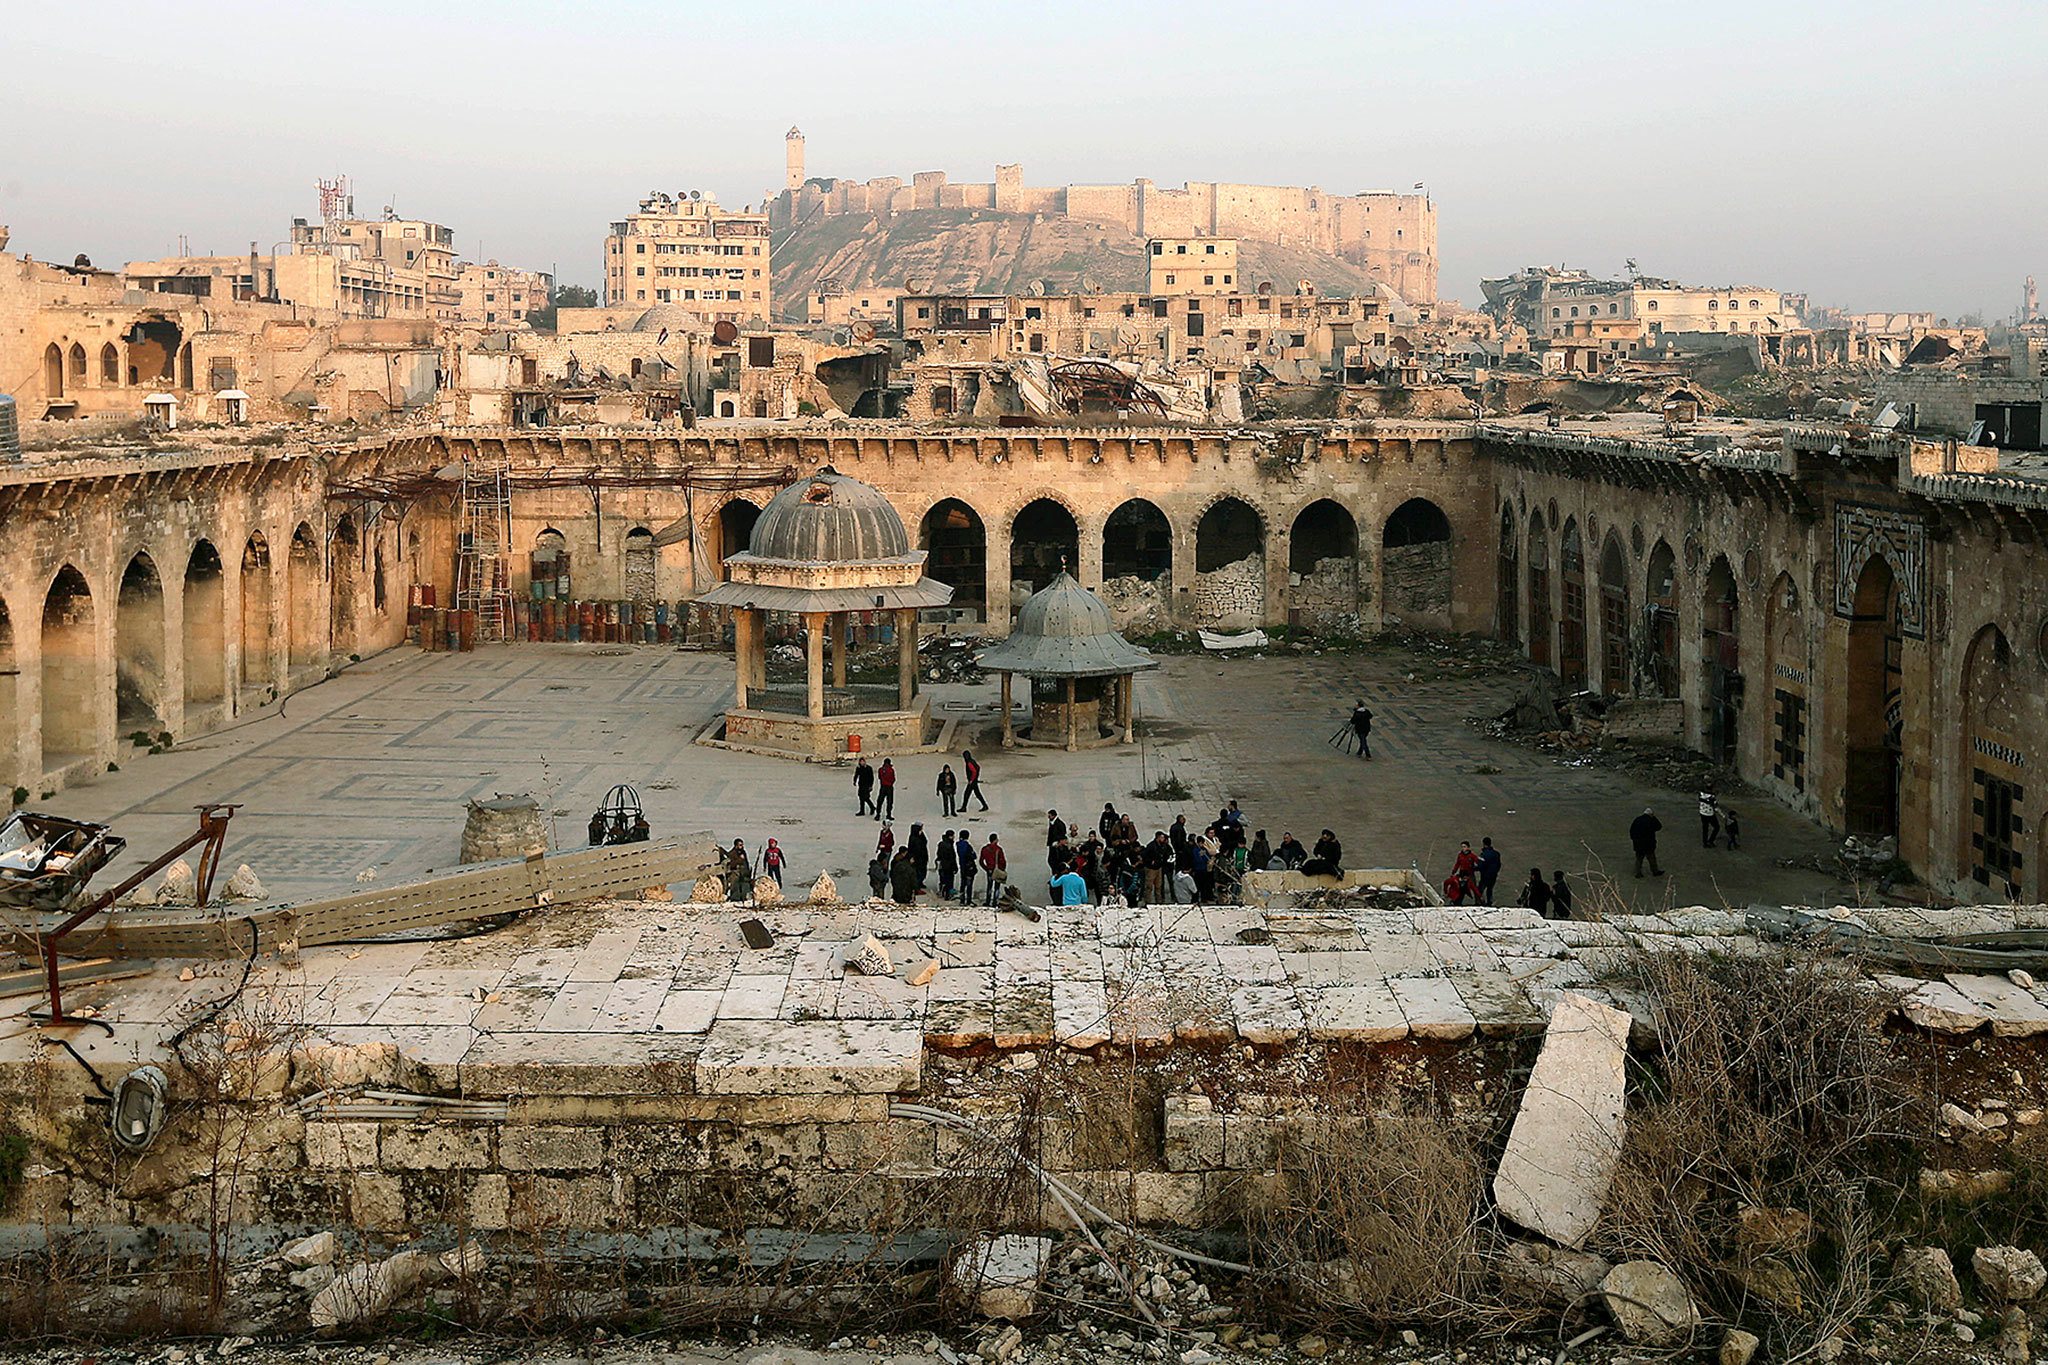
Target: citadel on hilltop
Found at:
x=1392, y=236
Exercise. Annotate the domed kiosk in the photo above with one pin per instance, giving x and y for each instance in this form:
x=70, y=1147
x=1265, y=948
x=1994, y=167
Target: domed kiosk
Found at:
x=1063, y=638
x=825, y=547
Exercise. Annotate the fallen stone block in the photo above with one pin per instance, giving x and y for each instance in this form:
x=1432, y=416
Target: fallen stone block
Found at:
x=244, y=885
x=1650, y=1305
x=1739, y=1347
x=180, y=885
x=315, y=1250
x=824, y=891
x=1534, y=1273
x=870, y=957
x=1561, y=1153
x=1928, y=1278
x=709, y=890
x=1001, y=1274
x=2012, y=1274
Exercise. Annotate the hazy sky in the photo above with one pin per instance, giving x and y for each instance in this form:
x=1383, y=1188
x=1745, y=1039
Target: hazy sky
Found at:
x=1873, y=154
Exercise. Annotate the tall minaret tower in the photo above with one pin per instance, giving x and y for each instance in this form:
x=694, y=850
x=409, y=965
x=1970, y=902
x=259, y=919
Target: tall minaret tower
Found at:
x=793, y=160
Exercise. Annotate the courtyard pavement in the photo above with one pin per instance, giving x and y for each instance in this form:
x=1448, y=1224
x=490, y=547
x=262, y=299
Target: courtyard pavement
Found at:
x=363, y=779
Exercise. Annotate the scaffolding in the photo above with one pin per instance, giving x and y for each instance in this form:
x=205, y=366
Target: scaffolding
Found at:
x=483, y=574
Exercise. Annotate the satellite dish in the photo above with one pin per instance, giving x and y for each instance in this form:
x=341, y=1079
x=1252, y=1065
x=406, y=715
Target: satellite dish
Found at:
x=696, y=194
x=914, y=285
x=1265, y=286
x=1038, y=289
x=725, y=332
x=863, y=333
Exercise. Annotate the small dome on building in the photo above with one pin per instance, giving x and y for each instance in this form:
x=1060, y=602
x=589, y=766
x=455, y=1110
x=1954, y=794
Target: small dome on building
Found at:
x=829, y=518
x=1064, y=631
x=673, y=316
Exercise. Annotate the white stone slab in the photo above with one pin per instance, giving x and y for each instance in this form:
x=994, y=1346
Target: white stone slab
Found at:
x=823, y=1057
x=1561, y=1153
x=1248, y=964
x=1434, y=1008
x=752, y=997
x=688, y=1011
x=1267, y=1014
x=1080, y=1013
x=1357, y=1013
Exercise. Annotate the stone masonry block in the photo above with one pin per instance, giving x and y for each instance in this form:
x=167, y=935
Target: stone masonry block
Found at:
x=489, y=1207
x=1193, y=1136
x=376, y=1203
x=436, y=1147
x=341, y=1146
x=550, y=1148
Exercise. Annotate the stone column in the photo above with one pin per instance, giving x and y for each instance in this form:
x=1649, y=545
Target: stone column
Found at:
x=815, y=625
x=1009, y=728
x=1070, y=715
x=1123, y=703
x=838, y=626
x=742, y=649
x=906, y=657
x=1279, y=551
x=996, y=578
x=1089, y=571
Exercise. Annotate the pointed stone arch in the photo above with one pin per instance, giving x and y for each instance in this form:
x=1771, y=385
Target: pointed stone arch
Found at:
x=1660, y=619
x=1539, y=628
x=205, y=622
x=343, y=579
x=955, y=542
x=1507, y=579
x=139, y=653
x=1415, y=566
x=1995, y=746
x=1616, y=675
x=259, y=638
x=304, y=601
x=1571, y=616
x=71, y=695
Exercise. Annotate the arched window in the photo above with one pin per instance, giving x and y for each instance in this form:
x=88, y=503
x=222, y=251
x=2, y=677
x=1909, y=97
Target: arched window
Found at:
x=1713, y=304
x=110, y=365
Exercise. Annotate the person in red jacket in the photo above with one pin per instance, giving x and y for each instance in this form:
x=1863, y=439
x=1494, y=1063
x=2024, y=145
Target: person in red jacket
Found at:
x=993, y=865
x=885, y=793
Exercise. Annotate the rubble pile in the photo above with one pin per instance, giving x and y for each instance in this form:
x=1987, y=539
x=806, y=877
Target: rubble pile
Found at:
x=948, y=659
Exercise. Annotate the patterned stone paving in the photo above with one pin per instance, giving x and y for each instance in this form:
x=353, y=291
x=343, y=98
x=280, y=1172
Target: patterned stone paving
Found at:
x=368, y=773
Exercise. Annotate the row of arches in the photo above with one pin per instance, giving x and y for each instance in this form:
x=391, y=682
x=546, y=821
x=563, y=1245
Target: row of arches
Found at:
x=1876, y=786
x=155, y=351
x=1138, y=541
x=240, y=631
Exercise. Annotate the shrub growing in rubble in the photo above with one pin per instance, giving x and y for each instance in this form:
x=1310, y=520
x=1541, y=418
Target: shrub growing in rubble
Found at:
x=1763, y=1133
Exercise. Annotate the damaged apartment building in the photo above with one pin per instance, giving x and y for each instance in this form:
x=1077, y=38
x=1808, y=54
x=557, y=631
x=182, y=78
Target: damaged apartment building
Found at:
x=1190, y=342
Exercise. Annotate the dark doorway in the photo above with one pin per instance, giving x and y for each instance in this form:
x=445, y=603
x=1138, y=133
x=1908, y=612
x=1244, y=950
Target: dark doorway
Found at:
x=1507, y=591
x=1720, y=664
x=1043, y=541
x=1539, y=592
x=1663, y=621
x=956, y=551
x=1137, y=542
x=1614, y=618
x=1873, y=767
x=1571, y=621
x=1228, y=532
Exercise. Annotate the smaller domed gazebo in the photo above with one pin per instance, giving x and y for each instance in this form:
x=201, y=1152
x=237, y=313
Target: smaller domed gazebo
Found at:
x=822, y=548
x=1063, y=632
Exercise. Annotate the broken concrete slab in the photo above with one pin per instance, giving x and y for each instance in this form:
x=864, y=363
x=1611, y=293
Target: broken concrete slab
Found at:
x=1650, y=1305
x=1561, y=1153
x=2014, y=1011
x=1935, y=1005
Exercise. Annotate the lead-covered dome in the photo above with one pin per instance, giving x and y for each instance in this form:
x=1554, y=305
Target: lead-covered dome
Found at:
x=1064, y=631
x=829, y=518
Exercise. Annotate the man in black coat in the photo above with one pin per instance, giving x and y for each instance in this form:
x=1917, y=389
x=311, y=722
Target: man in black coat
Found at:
x=1642, y=834
x=864, y=786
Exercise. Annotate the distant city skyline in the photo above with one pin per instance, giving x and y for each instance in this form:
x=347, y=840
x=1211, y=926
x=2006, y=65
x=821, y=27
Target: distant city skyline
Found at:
x=1874, y=156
